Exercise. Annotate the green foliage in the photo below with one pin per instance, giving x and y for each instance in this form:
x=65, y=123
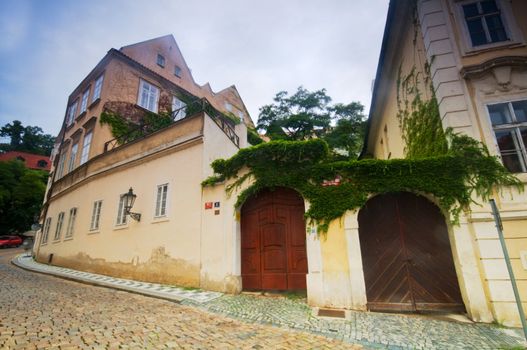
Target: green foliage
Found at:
x=253, y=138
x=21, y=195
x=306, y=115
x=125, y=130
x=304, y=166
x=26, y=138
x=419, y=119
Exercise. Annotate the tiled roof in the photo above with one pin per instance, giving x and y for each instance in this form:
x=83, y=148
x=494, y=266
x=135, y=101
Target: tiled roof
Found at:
x=31, y=160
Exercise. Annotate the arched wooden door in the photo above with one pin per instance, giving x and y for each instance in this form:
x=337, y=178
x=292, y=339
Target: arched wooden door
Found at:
x=273, y=241
x=406, y=255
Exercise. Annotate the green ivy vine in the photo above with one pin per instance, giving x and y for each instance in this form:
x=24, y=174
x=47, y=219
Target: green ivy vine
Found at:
x=452, y=178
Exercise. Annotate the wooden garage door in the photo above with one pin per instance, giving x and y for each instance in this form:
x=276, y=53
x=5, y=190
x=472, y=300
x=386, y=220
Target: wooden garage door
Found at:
x=273, y=241
x=406, y=255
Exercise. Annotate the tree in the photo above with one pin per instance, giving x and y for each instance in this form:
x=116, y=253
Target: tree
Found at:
x=306, y=115
x=29, y=139
x=21, y=195
x=301, y=116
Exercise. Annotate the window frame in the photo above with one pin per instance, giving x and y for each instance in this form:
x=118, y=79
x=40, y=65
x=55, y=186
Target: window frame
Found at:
x=122, y=218
x=58, y=228
x=62, y=164
x=73, y=156
x=513, y=32
x=142, y=83
x=71, y=113
x=71, y=223
x=97, y=88
x=160, y=60
x=159, y=198
x=96, y=215
x=181, y=105
x=177, y=71
x=85, y=152
x=45, y=231
x=84, y=100
x=513, y=125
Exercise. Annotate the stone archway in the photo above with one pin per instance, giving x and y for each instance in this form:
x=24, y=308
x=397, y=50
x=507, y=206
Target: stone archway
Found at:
x=273, y=241
x=406, y=255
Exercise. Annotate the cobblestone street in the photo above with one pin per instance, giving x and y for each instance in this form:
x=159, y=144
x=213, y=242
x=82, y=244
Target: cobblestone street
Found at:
x=44, y=312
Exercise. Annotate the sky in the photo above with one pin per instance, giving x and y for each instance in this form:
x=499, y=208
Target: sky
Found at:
x=262, y=47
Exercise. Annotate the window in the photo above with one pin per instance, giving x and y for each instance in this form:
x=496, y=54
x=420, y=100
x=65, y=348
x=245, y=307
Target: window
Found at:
x=95, y=215
x=178, y=108
x=228, y=106
x=97, y=88
x=60, y=168
x=509, y=121
x=71, y=223
x=177, y=71
x=84, y=100
x=71, y=113
x=160, y=60
x=42, y=163
x=161, y=200
x=58, y=230
x=484, y=22
x=148, y=94
x=86, y=147
x=121, y=212
x=45, y=233
x=73, y=156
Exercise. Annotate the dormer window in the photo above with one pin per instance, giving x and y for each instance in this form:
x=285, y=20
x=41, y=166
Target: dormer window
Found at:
x=177, y=71
x=42, y=163
x=160, y=60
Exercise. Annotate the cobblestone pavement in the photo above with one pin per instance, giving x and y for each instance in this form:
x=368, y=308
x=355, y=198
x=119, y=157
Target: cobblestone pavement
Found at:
x=373, y=330
x=44, y=312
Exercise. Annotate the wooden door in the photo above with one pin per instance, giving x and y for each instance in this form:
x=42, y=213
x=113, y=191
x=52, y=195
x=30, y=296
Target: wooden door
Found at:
x=406, y=255
x=273, y=241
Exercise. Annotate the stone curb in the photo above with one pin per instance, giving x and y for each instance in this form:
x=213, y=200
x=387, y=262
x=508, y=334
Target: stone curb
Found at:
x=161, y=291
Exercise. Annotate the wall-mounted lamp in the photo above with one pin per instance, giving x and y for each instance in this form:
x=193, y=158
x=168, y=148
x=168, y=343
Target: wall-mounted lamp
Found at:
x=129, y=199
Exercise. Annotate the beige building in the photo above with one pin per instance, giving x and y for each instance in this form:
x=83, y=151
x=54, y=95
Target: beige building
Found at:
x=477, y=57
x=85, y=225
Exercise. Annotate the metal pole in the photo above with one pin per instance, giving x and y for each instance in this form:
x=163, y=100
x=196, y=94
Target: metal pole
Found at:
x=499, y=227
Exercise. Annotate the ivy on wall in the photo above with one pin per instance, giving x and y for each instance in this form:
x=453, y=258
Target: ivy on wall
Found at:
x=306, y=166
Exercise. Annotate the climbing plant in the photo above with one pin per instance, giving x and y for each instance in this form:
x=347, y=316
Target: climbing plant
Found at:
x=307, y=167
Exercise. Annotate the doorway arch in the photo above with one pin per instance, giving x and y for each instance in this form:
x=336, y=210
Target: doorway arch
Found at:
x=406, y=255
x=273, y=241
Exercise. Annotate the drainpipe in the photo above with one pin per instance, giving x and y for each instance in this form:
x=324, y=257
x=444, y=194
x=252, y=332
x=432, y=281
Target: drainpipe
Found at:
x=499, y=228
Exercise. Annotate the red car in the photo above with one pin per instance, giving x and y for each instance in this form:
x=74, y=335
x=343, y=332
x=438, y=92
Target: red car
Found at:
x=10, y=241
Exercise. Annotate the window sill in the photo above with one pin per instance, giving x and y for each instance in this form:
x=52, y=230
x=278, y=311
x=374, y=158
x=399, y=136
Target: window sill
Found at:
x=120, y=227
x=43, y=244
x=68, y=239
x=476, y=50
x=94, y=103
x=160, y=219
x=80, y=116
x=69, y=127
x=56, y=241
x=94, y=232
x=145, y=109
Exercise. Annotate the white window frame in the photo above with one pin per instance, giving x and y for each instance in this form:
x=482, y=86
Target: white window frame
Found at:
x=515, y=127
x=72, y=111
x=96, y=215
x=513, y=32
x=97, y=88
x=73, y=157
x=148, y=96
x=71, y=223
x=58, y=228
x=84, y=100
x=161, y=203
x=177, y=104
x=62, y=163
x=45, y=231
x=122, y=218
x=86, y=143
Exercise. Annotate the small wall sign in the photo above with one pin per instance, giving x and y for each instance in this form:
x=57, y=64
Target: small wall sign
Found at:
x=208, y=205
x=216, y=204
x=217, y=212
